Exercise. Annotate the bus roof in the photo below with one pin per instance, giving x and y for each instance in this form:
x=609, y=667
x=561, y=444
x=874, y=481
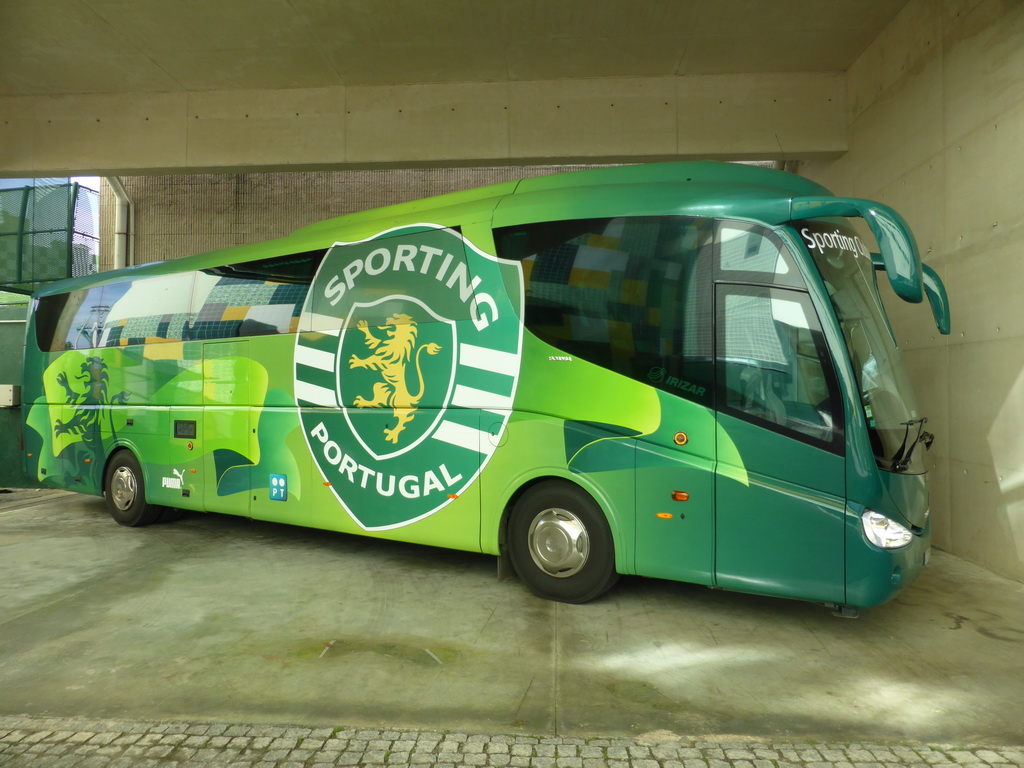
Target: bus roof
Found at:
x=719, y=189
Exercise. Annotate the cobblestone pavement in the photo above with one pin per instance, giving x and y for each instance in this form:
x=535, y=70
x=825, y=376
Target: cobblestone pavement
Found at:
x=35, y=742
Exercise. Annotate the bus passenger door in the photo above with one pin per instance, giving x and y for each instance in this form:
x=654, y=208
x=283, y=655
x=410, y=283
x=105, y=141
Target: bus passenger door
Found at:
x=227, y=430
x=780, y=484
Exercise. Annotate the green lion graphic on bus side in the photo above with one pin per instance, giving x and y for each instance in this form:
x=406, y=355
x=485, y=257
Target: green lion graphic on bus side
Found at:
x=76, y=421
x=391, y=357
x=94, y=380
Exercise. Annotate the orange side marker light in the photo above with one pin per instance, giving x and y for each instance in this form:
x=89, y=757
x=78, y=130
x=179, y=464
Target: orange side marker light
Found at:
x=680, y=496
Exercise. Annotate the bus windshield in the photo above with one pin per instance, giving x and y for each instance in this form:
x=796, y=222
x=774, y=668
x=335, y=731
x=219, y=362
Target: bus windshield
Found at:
x=894, y=423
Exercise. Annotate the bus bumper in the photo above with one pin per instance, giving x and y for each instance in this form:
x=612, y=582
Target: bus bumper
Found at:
x=875, y=575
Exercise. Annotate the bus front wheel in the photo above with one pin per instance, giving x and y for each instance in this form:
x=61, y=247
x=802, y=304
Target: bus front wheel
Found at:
x=125, y=492
x=560, y=543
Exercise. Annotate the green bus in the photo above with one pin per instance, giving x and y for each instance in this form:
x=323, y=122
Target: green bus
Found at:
x=680, y=370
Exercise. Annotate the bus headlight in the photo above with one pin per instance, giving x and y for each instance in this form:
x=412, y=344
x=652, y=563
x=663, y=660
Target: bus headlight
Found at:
x=884, y=532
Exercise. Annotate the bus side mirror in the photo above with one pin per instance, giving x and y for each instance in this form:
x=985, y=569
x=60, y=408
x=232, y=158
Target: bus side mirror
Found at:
x=934, y=289
x=936, y=292
x=899, y=250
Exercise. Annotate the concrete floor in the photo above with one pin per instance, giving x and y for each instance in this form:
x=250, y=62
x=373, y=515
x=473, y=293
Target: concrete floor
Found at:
x=215, y=617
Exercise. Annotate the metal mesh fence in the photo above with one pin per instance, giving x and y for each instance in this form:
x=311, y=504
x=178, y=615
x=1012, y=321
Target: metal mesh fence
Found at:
x=49, y=229
x=11, y=213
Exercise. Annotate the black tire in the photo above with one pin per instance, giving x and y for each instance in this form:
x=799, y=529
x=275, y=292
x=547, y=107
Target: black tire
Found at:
x=560, y=543
x=125, y=492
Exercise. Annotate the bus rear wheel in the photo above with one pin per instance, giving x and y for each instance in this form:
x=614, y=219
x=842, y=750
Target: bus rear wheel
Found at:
x=560, y=543
x=125, y=492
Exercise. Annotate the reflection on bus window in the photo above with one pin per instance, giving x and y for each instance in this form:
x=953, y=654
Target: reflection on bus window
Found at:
x=752, y=253
x=256, y=298
x=253, y=298
x=772, y=362
x=631, y=294
x=146, y=311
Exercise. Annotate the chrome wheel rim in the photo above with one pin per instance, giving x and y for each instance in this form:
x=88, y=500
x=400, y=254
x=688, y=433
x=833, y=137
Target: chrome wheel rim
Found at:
x=558, y=543
x=123, y=488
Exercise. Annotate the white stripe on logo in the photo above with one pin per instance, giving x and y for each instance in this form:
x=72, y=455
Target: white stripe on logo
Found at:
x=460, y=435
x=314, y=358
x=311, y=393
x=486, y=359
x=468, y=397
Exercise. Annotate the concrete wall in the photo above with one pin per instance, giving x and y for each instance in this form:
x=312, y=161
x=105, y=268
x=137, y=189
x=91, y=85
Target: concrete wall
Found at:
x=510, y=123
x=936, y=121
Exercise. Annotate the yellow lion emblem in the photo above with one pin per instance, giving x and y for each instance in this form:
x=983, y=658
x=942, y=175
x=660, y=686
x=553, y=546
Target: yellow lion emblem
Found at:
x=391, y=356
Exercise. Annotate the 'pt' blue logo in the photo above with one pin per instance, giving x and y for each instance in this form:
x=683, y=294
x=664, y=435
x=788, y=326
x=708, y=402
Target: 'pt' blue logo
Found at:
x=279, y=487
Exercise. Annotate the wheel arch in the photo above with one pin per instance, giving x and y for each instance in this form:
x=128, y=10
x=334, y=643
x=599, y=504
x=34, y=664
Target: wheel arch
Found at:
x=616, y=522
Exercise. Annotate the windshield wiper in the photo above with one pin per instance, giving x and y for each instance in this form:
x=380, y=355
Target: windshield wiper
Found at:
x=901, y=460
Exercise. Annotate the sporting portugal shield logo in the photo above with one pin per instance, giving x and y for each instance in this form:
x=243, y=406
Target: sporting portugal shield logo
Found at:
x=406, y=369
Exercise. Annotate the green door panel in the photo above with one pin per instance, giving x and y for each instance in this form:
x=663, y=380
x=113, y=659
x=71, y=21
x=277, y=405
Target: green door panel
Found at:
x=675, y=538
x=173, y=457
x=227, y=428
x=681, y=545
x=780, y=515
x=280, y=476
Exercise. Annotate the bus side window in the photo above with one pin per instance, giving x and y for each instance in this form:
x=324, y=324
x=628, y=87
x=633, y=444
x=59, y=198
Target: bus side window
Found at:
x=150, y=310
x=85, y=320
x=631, y=294
x=49, y=314
x=54, y=317
x=773, y=364
x=254, y=298
x=751, y=253
x=144, y=311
